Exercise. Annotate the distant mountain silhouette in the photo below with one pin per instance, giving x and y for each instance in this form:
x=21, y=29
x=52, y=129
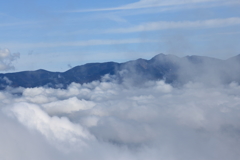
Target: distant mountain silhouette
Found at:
x=170, y=68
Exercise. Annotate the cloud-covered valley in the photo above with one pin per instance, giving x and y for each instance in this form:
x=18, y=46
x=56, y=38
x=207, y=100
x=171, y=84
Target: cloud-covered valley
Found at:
x=107, y=120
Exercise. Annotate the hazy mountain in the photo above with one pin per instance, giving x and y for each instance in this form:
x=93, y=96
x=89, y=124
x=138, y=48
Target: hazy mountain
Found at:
x=170, y=68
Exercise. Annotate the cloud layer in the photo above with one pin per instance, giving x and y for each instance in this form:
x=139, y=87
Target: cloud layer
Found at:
x=107, y=120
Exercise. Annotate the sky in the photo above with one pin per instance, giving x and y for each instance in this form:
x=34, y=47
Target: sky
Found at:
x=59, y=34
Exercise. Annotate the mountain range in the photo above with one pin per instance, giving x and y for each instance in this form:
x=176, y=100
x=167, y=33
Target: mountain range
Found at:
x=170, y=68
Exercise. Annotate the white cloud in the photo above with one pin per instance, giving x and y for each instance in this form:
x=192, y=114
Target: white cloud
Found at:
x=56, y=129
x=163, y=25
x=17, y=143
x=6, y=59
x=74, y=104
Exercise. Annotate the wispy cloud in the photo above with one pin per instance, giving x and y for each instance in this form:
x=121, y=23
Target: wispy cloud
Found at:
x=80, y=43
x=153, y=26
x=155, y=3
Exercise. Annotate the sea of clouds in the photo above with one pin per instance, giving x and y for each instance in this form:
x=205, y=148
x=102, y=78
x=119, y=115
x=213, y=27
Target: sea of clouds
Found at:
x=107, y=120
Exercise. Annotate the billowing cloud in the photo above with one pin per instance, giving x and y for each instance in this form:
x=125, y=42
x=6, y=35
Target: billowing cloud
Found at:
x=107, y=120
x=6, y=59
x=73, y=103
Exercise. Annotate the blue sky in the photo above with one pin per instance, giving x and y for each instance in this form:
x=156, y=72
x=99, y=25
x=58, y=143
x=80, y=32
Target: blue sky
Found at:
x=59, y=34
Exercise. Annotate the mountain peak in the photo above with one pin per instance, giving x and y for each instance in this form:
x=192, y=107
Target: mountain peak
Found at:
x=159, y=56
x=164, y=57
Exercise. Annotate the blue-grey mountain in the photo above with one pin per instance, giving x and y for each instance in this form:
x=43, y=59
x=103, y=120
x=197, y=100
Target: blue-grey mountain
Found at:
x=170, y=68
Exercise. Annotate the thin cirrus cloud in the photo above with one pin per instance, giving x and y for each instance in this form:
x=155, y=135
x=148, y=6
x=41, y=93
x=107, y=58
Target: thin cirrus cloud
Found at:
x=162, y=25
x=156, y=3
x=81, y=43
